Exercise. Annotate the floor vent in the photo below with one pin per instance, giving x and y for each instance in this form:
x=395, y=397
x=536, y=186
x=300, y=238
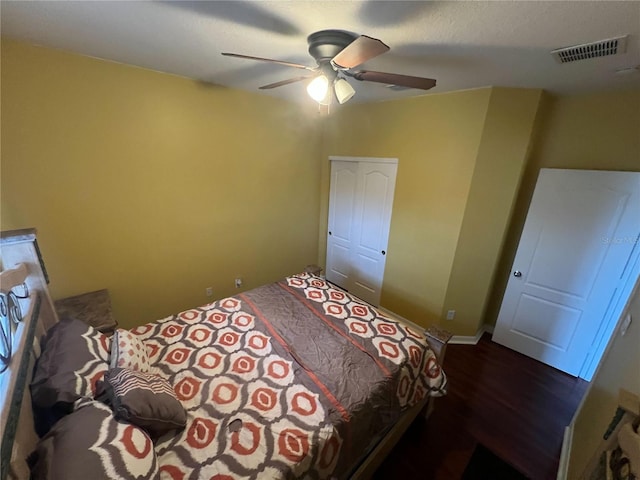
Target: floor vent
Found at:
x=602, y=48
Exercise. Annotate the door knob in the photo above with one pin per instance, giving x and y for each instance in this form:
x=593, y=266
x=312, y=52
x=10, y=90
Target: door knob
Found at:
x=330, y=233
x=517, y=273
x=383, y=252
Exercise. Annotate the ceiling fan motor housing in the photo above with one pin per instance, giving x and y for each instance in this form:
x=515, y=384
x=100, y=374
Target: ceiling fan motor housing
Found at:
x=326, y=44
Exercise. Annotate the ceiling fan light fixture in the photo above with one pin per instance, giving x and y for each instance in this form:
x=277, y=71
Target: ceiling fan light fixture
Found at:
x=337, y=53
x=318, y=88
x=344, y=91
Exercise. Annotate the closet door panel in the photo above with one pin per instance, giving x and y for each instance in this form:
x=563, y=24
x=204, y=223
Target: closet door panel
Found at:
x=361, y=201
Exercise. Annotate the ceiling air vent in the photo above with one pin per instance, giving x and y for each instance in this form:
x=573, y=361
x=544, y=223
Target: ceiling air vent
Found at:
x=602, y=48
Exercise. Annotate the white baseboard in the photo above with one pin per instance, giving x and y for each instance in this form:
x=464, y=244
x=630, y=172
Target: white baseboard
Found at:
x=563, y=467
x=471, y=339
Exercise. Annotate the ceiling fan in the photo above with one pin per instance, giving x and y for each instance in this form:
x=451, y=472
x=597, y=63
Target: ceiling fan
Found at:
x=337, y=53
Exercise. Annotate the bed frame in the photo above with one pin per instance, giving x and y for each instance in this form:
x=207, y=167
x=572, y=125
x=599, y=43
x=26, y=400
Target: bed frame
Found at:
x=24, y=279
x=438, y=340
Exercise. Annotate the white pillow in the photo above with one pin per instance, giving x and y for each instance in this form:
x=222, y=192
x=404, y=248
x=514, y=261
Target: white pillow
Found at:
x=128, y=351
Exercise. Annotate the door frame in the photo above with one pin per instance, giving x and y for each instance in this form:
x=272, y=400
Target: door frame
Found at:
x=609, y=325
x=363, y=159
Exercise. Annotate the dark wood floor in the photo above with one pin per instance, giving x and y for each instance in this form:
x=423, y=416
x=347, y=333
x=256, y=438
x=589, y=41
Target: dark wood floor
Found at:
x=513, y=405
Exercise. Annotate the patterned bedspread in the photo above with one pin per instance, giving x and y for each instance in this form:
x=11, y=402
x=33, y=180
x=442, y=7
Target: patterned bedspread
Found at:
x=290, y=380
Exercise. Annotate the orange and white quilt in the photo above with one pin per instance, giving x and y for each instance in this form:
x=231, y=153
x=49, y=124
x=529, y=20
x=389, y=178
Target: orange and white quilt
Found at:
x=297, y=379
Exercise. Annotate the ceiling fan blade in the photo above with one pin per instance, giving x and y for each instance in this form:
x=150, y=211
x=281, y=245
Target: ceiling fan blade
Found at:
x=280, y=62
x=283, y=82
x=394, y=79
x=359, y=51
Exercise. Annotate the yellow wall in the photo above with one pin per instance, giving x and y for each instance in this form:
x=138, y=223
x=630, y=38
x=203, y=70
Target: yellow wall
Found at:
x=152, y=185
x=618, y=369
x=459, y=154
x=435, y=138
x=157, y=186
x=595, y=131
x=502, y=155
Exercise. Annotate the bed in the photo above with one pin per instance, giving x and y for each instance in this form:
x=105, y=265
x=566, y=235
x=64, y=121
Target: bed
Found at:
x=296, y=379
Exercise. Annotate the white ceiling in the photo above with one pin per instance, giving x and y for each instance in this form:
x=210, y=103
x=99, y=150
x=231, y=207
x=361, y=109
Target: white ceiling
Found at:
x=461, y=44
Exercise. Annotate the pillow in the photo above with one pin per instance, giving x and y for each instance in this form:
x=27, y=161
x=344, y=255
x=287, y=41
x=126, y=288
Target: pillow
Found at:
x=128, y=351
x=144, y=399
x=91, y=444
x=74, y=357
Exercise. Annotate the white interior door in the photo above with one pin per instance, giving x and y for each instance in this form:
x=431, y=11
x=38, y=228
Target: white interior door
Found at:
x=575, y=254
x=360, y=206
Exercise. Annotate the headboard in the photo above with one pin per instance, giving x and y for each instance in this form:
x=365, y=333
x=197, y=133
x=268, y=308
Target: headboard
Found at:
x=26, y=313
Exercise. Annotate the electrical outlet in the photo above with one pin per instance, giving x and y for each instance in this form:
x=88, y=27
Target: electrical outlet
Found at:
x=451, y=314
x=238, y=282
x=209, y=291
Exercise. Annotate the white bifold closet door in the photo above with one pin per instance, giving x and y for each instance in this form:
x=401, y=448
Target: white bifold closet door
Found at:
x=360, y=205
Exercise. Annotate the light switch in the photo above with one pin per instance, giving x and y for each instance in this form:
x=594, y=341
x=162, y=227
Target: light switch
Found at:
x=625, y=324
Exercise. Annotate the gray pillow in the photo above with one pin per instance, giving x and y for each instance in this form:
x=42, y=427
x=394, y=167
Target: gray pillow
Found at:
x=74, y=357
x=144, y=399
x=91, y=444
